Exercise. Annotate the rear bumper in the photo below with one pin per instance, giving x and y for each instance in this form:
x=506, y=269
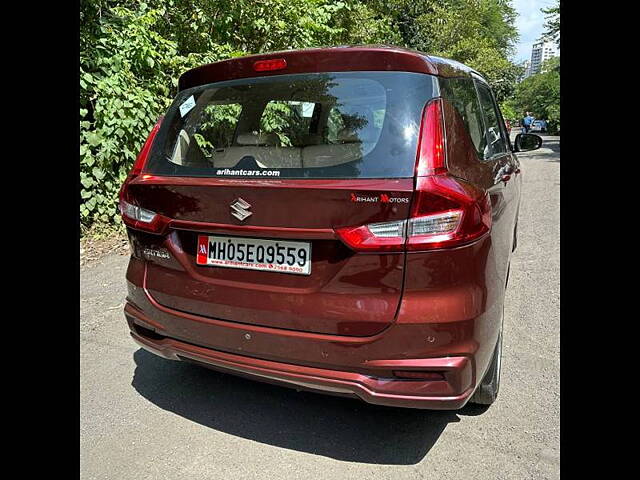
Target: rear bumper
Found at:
x=449, y=394
x=380, y=391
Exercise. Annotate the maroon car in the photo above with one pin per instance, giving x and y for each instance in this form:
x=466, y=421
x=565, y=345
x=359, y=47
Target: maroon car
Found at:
x=339, y=220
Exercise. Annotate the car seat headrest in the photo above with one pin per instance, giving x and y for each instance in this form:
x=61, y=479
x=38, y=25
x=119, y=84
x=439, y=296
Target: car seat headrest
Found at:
x=252, y=138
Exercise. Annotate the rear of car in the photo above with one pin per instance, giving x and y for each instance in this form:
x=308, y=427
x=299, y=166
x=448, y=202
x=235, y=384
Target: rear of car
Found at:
x=539, y=126
x=314, y=223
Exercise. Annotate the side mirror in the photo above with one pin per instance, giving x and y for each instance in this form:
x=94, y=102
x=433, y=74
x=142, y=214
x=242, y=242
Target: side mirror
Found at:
x=526, y=142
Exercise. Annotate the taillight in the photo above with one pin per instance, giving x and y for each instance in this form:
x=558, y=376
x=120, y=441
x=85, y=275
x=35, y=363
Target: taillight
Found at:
x=143, y=156
x=446, y=211
x=134, y=212
x=133, y=215
x=377, y=237
x=431, y=143
x=142, y=219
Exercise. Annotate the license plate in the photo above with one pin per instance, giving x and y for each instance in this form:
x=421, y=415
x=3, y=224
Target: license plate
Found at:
x=254, y=254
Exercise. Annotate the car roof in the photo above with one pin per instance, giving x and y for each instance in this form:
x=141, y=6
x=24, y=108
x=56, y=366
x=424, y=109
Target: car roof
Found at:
x=332, y=59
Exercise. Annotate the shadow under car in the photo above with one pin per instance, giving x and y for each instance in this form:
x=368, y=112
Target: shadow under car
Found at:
x=340, y=428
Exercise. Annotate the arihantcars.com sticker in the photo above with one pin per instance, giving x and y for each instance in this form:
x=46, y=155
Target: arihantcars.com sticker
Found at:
x=248, y=173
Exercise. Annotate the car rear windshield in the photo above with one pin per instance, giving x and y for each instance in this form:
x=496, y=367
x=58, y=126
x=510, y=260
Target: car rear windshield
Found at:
x=322, y=125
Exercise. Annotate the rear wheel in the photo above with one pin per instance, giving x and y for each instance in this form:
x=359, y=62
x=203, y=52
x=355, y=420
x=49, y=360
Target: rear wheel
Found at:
x=487, y=391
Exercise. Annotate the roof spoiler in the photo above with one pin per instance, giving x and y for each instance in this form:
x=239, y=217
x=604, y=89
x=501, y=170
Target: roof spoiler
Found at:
x=316, y=60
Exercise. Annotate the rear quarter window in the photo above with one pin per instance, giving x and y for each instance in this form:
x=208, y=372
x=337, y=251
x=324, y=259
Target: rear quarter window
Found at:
x=461, y=93
x=496, y=142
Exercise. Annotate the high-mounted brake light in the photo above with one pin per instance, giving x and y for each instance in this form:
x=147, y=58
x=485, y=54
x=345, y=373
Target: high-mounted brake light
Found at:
x=133, y=215
x=446, y=211
x=270, y=65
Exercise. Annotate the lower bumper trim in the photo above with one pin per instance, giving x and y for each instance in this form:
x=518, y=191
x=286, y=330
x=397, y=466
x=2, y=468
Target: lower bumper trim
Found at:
x=301, y=377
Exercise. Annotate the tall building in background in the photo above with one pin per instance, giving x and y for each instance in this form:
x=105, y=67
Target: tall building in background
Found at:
x=540, y=52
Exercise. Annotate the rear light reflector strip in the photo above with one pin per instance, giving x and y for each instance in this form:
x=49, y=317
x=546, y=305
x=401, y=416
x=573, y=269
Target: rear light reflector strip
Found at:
x=416, y=375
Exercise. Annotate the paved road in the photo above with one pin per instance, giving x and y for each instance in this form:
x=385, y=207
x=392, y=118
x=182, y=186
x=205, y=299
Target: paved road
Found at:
x=143, y=417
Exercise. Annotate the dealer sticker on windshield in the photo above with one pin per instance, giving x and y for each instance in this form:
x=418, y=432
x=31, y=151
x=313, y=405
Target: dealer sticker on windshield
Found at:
x=187, y=105
x=254, y=254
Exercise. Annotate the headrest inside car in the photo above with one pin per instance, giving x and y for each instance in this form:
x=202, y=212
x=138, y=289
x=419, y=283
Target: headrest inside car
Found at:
x=252, y=138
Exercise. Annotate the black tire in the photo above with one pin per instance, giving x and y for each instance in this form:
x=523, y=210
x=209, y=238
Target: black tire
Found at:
x=487, y=391
x=515, y=238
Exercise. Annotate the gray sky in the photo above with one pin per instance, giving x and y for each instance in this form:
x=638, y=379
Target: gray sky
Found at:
x=530, y=25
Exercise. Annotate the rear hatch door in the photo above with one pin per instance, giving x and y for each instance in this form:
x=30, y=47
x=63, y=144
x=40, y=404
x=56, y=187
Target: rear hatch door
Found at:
x=275, y=165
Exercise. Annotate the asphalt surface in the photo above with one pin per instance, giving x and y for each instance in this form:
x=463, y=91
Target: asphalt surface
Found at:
x=143, y=417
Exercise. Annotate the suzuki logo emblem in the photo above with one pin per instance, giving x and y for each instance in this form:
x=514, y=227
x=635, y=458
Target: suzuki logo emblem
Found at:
x=240, y=209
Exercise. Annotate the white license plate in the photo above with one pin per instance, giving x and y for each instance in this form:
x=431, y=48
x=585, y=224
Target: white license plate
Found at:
x=254, y=254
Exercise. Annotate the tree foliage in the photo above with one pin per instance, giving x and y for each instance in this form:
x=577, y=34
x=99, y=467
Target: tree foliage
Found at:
x=540, y=94
x=552, y=23
x=132, y=53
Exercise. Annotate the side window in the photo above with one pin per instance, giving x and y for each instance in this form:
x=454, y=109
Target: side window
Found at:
x=496, y=143
x=461, y=93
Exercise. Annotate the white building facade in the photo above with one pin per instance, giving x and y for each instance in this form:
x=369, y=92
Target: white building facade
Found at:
x=540, y=52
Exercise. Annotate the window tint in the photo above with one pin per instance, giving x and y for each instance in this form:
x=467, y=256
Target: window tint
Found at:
x=461, y=93
x=495, y=140
x=326, y=125
x=334, y=125
x=290, y=121
x=216, y=130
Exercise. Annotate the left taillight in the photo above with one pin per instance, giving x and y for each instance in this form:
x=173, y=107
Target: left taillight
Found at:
x=134, y=215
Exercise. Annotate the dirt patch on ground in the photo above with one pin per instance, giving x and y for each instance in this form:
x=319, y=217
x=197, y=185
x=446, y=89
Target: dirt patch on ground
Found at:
x=93, y=248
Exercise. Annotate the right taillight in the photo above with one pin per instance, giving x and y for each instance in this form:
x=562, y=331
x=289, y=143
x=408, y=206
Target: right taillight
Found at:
x=446, y=211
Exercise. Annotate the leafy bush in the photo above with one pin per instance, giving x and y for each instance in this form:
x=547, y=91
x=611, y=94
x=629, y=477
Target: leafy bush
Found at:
x=126, y=83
